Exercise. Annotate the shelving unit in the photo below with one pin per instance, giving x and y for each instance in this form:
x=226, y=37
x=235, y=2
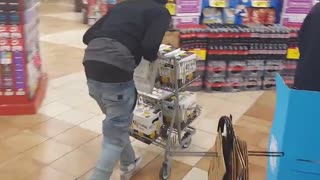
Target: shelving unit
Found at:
x=22, y=83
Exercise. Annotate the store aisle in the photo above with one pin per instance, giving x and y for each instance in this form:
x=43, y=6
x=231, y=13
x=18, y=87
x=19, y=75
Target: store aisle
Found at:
x=63, y=140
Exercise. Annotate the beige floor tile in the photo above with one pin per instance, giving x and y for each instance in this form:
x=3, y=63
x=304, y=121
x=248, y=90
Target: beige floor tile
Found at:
x=151, y=148
x=147, y=155
x=50, y=25
x=75, y=100
x=90, y=107
x=19, y=168
x=69, y=16
x=75, y=116
x=57, y=62
x=203, y=139
x=66, y=38
x=49, y=173
x=257, y=172
x=93, y=147
x=75, y=163
x=252, y=136
x=75, y=136
x=23, y=141
x=52, y=8
x=208, y=124
x=8, y=130
x=151, y=171
x=54, y=109
x=51, y=128
x=115, y=175
x=196, y=173
x=260, y=125
x=6, y=153
x=190, y=160
x=28, y=121
x=94, y=124
x=203, y=164
x=48, y=152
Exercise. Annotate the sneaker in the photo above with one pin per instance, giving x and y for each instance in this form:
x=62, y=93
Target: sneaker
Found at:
x=131, y=170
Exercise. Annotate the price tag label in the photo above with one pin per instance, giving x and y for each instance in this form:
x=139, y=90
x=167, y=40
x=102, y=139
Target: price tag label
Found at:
x=201, y=53
x=261, y=4
x=293, y=53
x=171, y=8
x=218, y=3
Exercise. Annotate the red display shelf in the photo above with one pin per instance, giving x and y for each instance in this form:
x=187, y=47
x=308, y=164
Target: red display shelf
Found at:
x=16, y=105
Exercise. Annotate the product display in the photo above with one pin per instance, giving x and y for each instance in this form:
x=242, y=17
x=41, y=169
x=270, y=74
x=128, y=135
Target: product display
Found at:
x=21, y=78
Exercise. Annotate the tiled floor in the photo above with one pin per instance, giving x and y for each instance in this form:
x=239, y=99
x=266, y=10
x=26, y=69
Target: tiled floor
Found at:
x=63, y=140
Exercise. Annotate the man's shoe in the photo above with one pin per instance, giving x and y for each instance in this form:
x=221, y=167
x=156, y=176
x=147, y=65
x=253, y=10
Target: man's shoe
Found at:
x=130, y=170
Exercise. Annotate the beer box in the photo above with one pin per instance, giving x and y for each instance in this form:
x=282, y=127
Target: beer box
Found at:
x=147, y=121
x=187, y=107
x=185, y=71
x=155, y=97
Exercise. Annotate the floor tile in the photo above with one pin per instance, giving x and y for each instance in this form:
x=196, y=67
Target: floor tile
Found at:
x=178, y=171
x=75, y=163
x=67, y=38
x=48, y=152
x=196, y=173
x=28, y=121
x=146, y=155
x=20, y=168
x=203, y=139
x=203, y=164
x=75, y=116
x=24, y=141
x=49, y=173
x=190, y=160
x=71, y=16
x=6, y=153
x=51, y=128
x=8, y=130
x=94, y=124
x=93, y=146
x=90, y=107
x=54, y=109
x=208, y=124
x=75, y=136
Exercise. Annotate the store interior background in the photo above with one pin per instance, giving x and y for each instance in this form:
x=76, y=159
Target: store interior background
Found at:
x=63, y=140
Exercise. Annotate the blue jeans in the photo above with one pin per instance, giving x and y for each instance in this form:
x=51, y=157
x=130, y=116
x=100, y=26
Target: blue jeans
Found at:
x=117, y=102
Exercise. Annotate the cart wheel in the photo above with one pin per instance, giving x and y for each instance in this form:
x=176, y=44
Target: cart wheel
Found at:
x=187, y=138
x=165, y=172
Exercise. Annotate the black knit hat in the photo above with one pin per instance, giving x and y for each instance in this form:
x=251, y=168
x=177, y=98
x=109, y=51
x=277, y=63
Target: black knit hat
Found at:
x=162, y=1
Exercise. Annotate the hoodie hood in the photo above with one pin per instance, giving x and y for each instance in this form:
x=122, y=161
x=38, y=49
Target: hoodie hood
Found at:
x=161, y=1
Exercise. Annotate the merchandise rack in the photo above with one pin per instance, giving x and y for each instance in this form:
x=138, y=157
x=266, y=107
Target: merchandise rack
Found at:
x=22, y=84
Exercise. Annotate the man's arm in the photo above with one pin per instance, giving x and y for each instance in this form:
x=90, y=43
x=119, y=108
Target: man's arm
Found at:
x=154, y=35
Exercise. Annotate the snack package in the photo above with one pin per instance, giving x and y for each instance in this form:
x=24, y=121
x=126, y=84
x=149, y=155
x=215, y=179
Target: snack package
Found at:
x=229, y=16
x=212, y=15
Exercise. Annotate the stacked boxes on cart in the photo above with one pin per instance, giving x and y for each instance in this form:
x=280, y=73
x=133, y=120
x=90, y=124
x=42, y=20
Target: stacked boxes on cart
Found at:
x=154, y=111
x=18, y=37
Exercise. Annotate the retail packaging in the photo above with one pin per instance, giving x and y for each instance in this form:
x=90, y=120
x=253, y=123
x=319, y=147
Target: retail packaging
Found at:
x=188, y=7
x=269, y=83
x=212, y=15
x=180, y=21
x=147, y=122
x=301, y=157
x=295, y=11
x=172, y=38
x=187, y=108
x=186, y=67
